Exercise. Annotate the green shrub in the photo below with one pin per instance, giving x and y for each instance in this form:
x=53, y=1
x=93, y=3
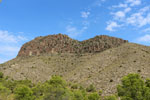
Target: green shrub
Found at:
x=111, y=98
x=91, y=88
x=4, y=89
x=38, y=90
x=57, y=81
x=94, y=96
x=1, y=75
x=80, y=95
x=74, y=86
x=4, y=92
x=147, y=83
x=57, y=93
x=23, y=92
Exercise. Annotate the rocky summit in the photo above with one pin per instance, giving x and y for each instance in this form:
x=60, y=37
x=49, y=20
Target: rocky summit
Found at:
x=63, y=44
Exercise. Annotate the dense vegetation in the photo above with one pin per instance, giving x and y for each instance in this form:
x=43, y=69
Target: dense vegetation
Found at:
x=132, y=88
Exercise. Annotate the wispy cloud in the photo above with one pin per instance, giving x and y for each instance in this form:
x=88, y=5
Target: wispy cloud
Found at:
x=5, y=36
x=10, y=45
x=128, y=15
x=133, y=2
x=9, y=50
x=147, y=30
x=112, y=25
x=85, y=14
x=3, y=60
x=141, y=18
x=98, y=2
x=121, y=14
x=74, y=31
x=128, y=3
x=145, y=38
x=121, y=5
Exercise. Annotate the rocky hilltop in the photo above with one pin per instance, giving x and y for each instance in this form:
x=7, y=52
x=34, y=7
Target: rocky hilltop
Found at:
x=63, y=44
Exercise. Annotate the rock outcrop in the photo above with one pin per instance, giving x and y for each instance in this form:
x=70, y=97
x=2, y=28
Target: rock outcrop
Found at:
x=63, y=44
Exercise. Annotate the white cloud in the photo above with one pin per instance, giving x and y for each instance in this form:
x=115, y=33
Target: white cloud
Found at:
x=127, y=14
x=138, y=19
x=2, y=60
x=74, y=32
x=145, y=38
x=5, y=36
x=121, y=5
x=9, y=49
x=145, y=9
x=71, y=29
x=10, y=45
x=128, y=9
x=146, y=30
x=119, y=14
x=8, y=52
x=85, y=14
x=98, y=2
x=134, y=2
x=111, y=25
x=128, y=3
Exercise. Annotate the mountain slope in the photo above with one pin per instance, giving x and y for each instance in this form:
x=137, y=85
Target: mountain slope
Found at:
x=104, y=69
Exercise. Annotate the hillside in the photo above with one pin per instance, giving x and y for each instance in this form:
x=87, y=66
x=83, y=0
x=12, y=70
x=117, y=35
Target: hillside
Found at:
x=104, y=69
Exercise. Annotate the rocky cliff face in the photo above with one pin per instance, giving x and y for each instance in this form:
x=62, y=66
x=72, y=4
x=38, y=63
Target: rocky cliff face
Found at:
x=63, y=44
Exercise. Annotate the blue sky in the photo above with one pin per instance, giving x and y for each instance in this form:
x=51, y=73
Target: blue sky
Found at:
x=23, y=20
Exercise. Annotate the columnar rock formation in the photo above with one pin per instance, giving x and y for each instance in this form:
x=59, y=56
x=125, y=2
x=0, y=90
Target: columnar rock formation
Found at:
x=63, y=44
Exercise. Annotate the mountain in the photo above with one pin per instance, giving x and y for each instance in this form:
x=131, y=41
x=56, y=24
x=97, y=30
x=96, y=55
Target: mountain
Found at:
x=101, y=61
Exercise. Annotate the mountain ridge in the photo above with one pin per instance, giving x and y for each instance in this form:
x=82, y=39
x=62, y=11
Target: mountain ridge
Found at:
x=63, y=44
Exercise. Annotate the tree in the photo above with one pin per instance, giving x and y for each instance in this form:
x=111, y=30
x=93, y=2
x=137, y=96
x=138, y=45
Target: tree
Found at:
x=23, y=92
x=133, y=88
x=56, y=89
